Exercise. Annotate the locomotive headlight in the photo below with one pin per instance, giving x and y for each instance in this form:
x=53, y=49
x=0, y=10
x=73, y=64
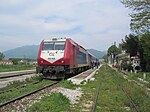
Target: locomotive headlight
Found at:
x=62, y=61
x=42, y=61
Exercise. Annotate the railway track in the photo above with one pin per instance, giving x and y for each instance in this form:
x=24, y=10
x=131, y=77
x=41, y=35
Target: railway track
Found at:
x=28, y=94
x=16, y=73
x=18, y=99
x=124, y=91
x=96, y=98
x=127, y=95
x=24, y=85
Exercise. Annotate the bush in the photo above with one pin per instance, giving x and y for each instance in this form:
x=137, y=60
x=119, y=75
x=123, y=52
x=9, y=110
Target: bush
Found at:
x=127, y=67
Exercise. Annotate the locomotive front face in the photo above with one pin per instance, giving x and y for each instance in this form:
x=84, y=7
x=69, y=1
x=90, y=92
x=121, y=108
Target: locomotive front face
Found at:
x=52, y=51
x=51, y=58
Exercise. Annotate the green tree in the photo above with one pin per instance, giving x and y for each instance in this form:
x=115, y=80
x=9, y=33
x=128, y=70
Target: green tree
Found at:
x=14, y=60
x=145, y=46
x=138, y=45
x=1, y=56
x=113, y=50
x=131, y=44
x=140, y=17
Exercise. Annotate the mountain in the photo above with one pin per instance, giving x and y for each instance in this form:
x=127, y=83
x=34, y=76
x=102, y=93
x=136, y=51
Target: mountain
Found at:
x=31, y=52
x=98, y=54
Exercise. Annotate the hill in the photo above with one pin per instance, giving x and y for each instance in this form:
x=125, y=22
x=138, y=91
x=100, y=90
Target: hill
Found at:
x=31, y=52
x=97, y=53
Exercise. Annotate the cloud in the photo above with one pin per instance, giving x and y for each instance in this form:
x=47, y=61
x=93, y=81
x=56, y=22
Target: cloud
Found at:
x=93, y=23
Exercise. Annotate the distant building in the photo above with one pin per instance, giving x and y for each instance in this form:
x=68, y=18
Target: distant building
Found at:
x=6, y=62
x=119, y=58
x=31, y=62
x=125, y=58
x=22, y=62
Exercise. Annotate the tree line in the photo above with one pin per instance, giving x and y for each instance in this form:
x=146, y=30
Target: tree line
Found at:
x=138, y=42
x=138, y=45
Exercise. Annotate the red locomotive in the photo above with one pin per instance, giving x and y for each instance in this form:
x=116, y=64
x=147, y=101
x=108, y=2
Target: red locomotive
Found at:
x=61, y=57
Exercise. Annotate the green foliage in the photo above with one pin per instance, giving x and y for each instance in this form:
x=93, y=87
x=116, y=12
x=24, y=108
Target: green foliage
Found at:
x=131, y=44
x=17, y=84
x=6, y=68
x=140, y=23
x=1, y=56
x=16, y=60
x=126, y=66
x=113, y=50
x=68, y=84
x=21, y=91
x=53, y=103
x=140, y=45
x=140, y=20
x=145, y=44
x=135, y=76
x=111, y=97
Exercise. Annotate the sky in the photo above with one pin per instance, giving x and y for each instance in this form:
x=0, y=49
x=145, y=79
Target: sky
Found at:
x=94, y=24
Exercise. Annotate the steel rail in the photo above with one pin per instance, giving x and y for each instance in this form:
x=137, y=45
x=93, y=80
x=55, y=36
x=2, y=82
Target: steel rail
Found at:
x=125, y=92
x=28, y=94
x=128, y=96
x=96, y=98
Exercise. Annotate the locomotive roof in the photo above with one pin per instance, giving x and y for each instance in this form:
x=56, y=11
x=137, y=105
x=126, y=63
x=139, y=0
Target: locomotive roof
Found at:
x=62, y=40
x=55, y=39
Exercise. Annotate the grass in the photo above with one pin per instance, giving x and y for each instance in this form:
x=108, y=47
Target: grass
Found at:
x=7, y=68
x=53, y=103
x=137, y=93
x=68, y=84
x=111, y=97
x=16, y=84
x=21, y=91
x=135, y=76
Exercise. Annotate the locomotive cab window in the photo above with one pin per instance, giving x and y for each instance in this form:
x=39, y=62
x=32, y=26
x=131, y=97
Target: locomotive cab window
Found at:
x=53, y=46
x=48, y=46
x=59, y=45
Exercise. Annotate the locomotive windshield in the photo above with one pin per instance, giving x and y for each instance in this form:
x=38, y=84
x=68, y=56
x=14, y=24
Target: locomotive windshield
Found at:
x=59, y=46
x=53, y=46
x=48, y=46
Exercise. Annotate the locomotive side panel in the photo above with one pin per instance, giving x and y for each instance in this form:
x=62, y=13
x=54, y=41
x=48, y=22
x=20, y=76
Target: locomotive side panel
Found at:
x=72, y=57
x=81, y=59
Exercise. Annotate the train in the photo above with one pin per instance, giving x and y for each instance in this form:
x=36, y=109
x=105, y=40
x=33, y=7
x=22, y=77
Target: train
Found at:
x=59, y=58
